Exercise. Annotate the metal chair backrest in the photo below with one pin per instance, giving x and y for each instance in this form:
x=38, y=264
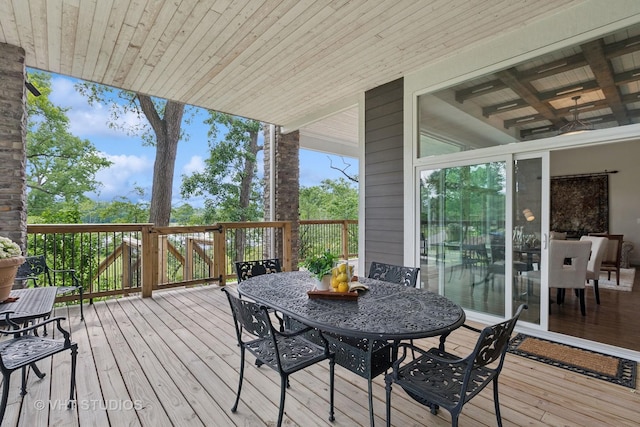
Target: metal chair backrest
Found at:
x=33, y=268
x=249, y=316
x=246, y=269
x=407, y=276
x=493, y=342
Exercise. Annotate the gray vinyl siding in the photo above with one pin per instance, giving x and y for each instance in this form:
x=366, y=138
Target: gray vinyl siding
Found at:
x=383, y=159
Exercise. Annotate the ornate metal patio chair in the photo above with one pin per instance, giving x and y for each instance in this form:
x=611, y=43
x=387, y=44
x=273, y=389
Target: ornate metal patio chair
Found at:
x=26, y=348
x=364, y=357
x=407, y=276
x=440, y=379
x=247, y=269
x=36, y=271
x=285, y=352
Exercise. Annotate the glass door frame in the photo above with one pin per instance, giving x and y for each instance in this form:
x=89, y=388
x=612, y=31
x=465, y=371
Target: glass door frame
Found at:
x=544, y=234
x=509, y=159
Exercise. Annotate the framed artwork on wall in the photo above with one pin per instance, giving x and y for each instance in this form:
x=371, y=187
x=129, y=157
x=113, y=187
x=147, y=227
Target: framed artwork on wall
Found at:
x=580, y=204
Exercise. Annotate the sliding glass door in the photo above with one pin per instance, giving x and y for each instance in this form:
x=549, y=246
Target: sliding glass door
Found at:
x=481, y=240
x=462, y=219
x=529, y=237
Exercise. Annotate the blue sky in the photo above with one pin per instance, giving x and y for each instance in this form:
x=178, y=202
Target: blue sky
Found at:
x=133, y=162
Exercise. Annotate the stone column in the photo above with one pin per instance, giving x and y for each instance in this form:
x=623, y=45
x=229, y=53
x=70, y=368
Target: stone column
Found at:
x=287, y=186
x=13, y=128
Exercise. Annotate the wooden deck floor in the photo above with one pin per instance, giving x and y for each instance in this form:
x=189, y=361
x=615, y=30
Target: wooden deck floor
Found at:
x=173, y=360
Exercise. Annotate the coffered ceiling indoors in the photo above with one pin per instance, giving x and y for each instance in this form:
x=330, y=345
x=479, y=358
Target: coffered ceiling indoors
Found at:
x=538, y=98
x=295, y=63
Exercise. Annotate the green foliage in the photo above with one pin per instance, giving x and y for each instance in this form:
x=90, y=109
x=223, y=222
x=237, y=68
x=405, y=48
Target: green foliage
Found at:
x=228, y=179
x=60, y=167
x=120, y=210
x=465, y=199
x=332, y=199
x=187, y=215
x=320, y=265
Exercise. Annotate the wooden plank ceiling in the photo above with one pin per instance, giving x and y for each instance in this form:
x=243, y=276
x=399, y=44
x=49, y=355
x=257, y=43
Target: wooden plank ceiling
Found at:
x=273, y=60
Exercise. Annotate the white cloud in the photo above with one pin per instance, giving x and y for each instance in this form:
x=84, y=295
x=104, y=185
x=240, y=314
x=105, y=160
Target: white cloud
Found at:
x=195, y=164
x=86, y=120
x=124, y=174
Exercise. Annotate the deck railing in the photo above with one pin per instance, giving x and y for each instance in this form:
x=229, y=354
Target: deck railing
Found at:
x=122, y=259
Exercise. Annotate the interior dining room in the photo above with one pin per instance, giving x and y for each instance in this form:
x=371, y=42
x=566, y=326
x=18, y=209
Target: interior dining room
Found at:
x=471, y=263
x=552, y=128
x=614, y=321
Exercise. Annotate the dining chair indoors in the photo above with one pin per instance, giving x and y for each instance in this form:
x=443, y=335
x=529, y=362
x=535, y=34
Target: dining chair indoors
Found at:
x=25, y=348
x=285, y=352
x=572, y=275
x=613, y=255
x=437, y=378
x=36, y=272
x=598, y=251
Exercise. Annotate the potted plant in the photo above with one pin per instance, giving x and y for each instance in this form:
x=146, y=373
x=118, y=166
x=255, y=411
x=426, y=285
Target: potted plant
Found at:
x=320, y=267
x=10, y=259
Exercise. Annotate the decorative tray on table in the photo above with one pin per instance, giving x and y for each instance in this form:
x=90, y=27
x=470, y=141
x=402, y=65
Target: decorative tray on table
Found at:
x=354, y=287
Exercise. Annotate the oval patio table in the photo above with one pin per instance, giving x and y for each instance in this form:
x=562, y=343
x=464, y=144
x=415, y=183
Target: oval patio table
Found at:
x=384, y=312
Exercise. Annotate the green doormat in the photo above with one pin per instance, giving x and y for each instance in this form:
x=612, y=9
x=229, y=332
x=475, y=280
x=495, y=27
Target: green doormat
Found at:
x=586, y=362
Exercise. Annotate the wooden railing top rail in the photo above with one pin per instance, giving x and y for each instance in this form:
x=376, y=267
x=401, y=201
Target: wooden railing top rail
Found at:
x=80, y=228
x=185, y=229
x=328, y=221
x=254, y=224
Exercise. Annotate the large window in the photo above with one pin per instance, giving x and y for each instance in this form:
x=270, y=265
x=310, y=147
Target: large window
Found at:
x=462, y=218
x=554, y=94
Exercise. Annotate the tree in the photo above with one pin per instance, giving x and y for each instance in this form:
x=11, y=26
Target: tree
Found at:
x=165, y=120
x=123, y=210
x=332, y=199
x=60, y=166
x=228, y=179
x=187, y=215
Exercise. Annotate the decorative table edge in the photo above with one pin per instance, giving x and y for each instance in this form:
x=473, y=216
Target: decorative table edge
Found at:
x=333, y=295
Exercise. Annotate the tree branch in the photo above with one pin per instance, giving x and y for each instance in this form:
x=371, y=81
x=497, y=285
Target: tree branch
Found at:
x=353, y=178
x=149, y=110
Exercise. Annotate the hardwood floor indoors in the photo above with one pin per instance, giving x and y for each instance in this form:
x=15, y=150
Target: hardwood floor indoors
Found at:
x=615, y=321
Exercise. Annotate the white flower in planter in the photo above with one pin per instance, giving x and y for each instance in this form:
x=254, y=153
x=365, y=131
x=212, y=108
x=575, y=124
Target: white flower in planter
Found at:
x=9, y=248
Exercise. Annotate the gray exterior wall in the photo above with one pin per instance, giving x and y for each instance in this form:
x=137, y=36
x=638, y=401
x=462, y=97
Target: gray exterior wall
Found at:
x=383, y=159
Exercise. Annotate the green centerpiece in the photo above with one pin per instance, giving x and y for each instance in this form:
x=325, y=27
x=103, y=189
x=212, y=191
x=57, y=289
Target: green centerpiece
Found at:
x=320, y=267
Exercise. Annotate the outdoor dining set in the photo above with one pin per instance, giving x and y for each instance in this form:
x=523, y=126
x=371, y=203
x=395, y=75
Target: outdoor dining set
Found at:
x=375, y=333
